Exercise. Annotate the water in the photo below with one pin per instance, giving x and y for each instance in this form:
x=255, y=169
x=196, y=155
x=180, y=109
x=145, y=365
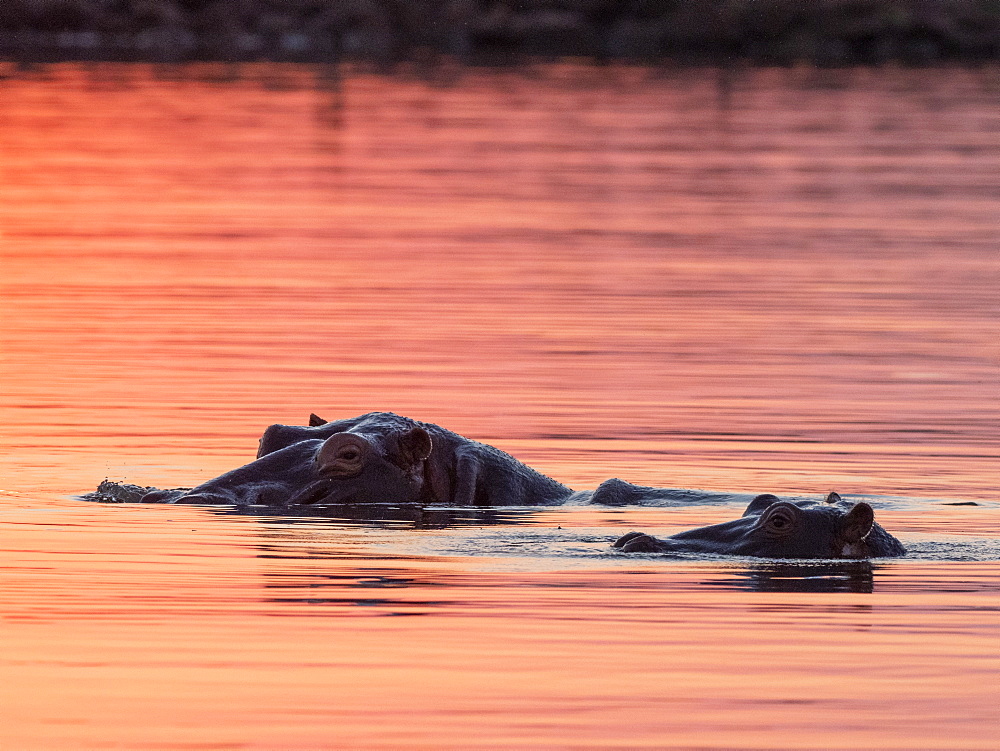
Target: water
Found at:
x=761, y=281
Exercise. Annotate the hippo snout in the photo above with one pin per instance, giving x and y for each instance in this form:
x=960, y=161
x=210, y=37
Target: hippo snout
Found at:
x=162, y=496
x=180, y=496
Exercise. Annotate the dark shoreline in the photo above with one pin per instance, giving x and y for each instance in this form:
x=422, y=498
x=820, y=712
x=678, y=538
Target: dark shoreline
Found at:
x=479, y=32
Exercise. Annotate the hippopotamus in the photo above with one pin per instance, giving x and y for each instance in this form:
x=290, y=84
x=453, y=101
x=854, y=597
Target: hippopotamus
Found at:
x=379, y=457
x=773, y=528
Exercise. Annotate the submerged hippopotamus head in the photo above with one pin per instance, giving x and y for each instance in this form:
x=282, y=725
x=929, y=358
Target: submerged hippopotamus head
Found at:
x=772, y=528
x=349, y=466
x=354, y=467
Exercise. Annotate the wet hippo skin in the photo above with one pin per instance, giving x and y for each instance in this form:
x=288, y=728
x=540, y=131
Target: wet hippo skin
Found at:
x=378, y=457
x=772, y=528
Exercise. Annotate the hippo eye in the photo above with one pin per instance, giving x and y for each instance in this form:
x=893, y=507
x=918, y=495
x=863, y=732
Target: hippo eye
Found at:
x=780, y=521
x=349, y=454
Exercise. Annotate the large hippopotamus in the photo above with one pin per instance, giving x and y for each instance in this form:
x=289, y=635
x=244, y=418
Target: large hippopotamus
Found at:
x=379, y=457
x=772, y=528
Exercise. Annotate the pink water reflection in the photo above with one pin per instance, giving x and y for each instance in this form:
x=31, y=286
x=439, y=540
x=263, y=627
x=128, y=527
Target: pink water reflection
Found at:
x=788, y=287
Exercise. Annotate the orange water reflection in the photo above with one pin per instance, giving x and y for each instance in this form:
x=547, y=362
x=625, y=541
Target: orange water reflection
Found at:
x=776, y=280
x=810, y=267
x=151, y=628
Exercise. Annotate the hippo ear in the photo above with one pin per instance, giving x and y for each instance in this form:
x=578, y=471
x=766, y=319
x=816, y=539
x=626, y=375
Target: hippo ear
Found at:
x=858, y=522
x=415, y=446
x=833, y=498
x=761, y=502
x=315, y=421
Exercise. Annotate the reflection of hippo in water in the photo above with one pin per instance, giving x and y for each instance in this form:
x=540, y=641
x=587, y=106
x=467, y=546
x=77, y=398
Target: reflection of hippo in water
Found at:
x=377, y=457
x=772, y=528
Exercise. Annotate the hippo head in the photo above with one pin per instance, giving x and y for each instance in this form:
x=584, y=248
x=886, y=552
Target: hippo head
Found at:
x=354, y=467
x=772, y=528
x=346, y=467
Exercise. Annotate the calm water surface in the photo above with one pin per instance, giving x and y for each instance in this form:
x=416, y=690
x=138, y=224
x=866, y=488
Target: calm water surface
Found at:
x=781, y=281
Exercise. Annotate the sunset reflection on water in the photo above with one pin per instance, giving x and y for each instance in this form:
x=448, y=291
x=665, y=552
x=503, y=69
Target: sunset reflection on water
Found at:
x=764, y=280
